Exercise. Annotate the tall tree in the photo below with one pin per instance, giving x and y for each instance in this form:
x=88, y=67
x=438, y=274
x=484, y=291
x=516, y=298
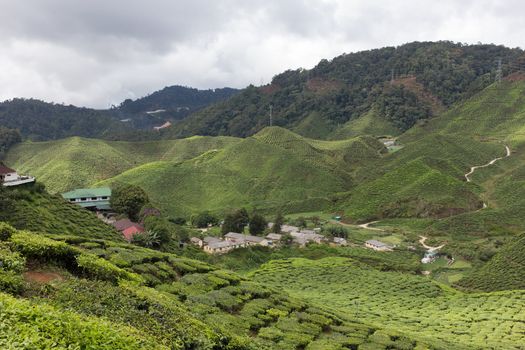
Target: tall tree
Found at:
x=257, y=224
x=277, y=223
x=128, y=199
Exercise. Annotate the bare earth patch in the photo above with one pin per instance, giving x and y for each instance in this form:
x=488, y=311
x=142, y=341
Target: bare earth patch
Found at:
x=42, y=276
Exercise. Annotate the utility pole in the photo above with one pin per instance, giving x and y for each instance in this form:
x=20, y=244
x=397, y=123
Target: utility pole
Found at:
x=498, y=72
x=271, y=110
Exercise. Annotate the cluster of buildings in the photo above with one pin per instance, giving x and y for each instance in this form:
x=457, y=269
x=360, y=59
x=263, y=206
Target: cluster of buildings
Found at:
x=9, y=177
x=233, y=240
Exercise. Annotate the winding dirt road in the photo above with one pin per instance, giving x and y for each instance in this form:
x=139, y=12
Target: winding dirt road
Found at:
x=429, y=248
x=474, y=168
x=367, y=226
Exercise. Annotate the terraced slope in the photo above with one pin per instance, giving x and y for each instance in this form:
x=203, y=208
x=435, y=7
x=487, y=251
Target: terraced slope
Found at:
x=77, y=162
x=504, y=271
x=275, y=170
x=34, y=209
x=410, y=304
x=118, y=296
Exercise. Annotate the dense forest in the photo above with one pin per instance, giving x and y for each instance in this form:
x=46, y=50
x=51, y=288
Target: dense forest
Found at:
x=315, y=102
x=8, y=137
x=38, y=120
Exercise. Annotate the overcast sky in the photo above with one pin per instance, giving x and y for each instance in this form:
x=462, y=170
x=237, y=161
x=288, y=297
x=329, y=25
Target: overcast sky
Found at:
x=99, y=52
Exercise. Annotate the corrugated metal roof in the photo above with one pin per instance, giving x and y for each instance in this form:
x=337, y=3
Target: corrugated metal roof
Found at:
x=88, y=192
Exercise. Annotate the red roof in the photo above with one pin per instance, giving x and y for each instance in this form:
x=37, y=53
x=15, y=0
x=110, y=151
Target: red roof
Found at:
x=131, y=231
x=123, y=224
x=6, y=170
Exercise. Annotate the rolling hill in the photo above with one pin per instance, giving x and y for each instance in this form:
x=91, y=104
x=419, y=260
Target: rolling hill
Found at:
x=427, y=78
x=274, y=169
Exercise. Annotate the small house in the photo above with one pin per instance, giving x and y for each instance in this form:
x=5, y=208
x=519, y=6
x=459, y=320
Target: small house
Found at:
x=274, y=237
x=128, y=228
x=90, y=198
x=377, y=245
x=221, y=247
x=340, y=241
x=9, y=177
x=197, y=241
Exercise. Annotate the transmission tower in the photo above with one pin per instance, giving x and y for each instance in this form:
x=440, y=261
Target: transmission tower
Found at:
x=498, y=72
x=271, y=110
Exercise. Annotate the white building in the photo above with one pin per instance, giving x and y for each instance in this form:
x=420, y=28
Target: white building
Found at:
x=377, y=245
x=9, y=177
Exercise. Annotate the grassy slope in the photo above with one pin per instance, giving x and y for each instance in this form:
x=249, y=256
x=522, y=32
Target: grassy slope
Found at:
x=504, y=271
x=368, y=124
x=410, y=304
x=77, y=162
x=37, y=210
x=444, y=149
x=276, y=168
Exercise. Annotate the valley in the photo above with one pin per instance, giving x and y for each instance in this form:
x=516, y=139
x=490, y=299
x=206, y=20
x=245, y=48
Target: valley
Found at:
x=383, y=212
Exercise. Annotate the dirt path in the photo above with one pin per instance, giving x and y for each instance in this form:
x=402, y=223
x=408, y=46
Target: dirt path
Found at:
x=474, y=168
x=429, y=248
x=367, y=226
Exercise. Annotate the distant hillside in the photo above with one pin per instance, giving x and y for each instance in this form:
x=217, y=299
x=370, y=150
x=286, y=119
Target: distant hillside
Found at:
x=275, y=168
x=37, y=120
x=426, y=177
x=428, y=77
x=77, y=162
x=171, y=103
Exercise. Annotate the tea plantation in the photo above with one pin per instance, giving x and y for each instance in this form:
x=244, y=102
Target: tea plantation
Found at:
x=411, y=304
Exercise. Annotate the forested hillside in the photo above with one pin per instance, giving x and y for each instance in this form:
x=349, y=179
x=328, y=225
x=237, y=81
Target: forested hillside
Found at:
x=405, y=84
x=37, y=120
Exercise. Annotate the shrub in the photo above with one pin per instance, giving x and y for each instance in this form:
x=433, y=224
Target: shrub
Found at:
x=10, y=282
x=6, y=231
x=37, y=246
x=11, y=261
x=102, y=269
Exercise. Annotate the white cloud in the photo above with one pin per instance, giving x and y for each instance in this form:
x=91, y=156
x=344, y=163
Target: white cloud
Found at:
x=99, y=52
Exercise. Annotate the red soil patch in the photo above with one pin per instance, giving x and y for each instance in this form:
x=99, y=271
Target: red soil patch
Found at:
x=410, y=82
x=42, y=277
x=516, y=76
x=323, y=86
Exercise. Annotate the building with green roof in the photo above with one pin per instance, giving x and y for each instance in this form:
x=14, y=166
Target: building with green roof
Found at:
x=91, y=198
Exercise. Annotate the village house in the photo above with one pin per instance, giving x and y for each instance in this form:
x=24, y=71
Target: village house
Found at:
x=128, y=228
x=377, y=245
x=222, y=247
x=197, y=241
x=247, y=240
x=340, y=241
x=9, y=177
x=90, y=198
x=275, y=238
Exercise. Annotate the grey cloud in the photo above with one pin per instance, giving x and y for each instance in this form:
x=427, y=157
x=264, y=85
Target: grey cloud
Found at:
x=95, y=52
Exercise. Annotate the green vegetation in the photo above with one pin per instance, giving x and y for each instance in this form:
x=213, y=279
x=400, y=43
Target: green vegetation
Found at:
x=116, y=295
x=412, y=305
x=128, y=199
x=317, y=102
x=32, y=208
